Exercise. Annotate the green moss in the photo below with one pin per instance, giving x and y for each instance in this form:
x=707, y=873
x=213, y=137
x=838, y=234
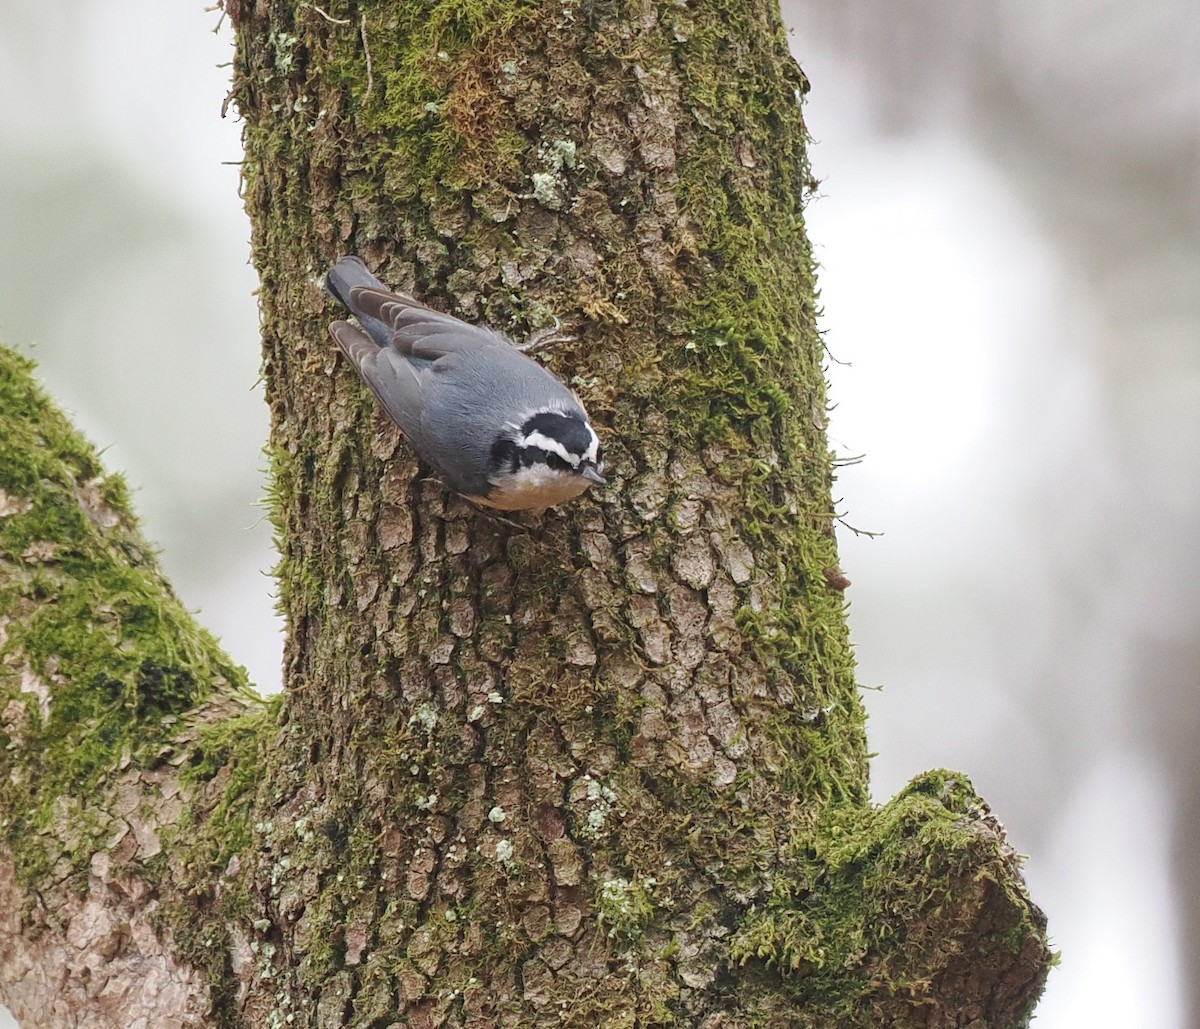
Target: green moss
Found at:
x=427, y=95
x=235, y=750
x=92, y=629
x=624, y=908
x=916, y=870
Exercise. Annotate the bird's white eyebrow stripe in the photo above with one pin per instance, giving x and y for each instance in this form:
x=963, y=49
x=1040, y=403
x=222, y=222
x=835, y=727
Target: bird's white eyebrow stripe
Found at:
x=551, y=446
x=594, y=450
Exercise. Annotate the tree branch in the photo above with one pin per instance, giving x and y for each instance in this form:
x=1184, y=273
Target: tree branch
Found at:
x=107, y=686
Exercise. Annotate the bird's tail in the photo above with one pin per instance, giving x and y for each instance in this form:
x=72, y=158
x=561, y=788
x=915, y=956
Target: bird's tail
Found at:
x=347, y=273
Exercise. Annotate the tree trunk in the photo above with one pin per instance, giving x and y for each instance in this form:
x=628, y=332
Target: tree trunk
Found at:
x=603, y=766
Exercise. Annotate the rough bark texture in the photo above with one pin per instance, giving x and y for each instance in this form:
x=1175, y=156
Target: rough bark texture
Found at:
x=604, y=766
x=115, y=709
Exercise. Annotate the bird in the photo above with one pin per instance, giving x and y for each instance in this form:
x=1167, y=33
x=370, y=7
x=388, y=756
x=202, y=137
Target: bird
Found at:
x=495, y=426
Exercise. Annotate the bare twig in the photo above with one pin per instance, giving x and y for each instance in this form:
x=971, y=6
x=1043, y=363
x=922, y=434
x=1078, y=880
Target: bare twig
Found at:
x=219, y=6
x=543, y=337
x=329, y=17
x=858, y=532
x=362, y=29
x=829, y=353
x=848, y=460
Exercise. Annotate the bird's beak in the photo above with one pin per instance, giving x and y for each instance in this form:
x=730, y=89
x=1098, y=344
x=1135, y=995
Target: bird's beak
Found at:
x=592, y=474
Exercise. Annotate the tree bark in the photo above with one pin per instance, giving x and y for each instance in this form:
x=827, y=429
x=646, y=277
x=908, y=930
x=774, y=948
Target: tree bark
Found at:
x=603, y=766
x=121, y=725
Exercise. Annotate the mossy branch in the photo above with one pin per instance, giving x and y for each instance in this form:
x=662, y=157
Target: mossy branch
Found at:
x=114, y=708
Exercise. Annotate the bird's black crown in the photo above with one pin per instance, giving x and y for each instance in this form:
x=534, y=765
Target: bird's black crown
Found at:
x=561, y=441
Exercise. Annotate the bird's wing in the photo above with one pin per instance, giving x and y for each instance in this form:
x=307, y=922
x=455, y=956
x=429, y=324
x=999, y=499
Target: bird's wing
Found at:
x=398, y=320
x=417, y=330
x=395, y=382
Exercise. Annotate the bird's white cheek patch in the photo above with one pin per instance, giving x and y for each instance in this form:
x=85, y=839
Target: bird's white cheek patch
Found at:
x=594, y=449
x=551, y=446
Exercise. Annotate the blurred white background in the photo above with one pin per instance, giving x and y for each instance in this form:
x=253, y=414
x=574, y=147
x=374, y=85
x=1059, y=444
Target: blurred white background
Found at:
x=1008, y=233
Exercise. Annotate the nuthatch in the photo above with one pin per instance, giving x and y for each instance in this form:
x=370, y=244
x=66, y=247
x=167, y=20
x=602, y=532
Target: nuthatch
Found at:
x=496, y=426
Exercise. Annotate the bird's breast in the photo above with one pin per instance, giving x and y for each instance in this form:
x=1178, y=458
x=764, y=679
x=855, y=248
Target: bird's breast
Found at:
x=535, y=488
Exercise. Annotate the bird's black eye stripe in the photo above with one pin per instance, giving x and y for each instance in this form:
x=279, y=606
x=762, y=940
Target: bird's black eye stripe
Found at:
x=509, y=456
x=570, y=431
